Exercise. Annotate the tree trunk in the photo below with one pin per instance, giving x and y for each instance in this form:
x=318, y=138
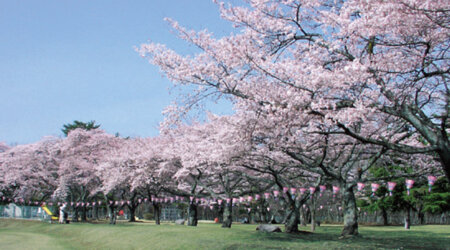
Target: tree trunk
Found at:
x=83, y=214
x=192, y=215
x=95, y=213
x=408, y=218
x=157, y=213
x=112, y=215
x=132, y=210
x=444, y=156
x=350, y=214
x=303, y=216
x=385, y=217
x=227, y=215
x=75, y=215
x=313, y=215
x=292, y=218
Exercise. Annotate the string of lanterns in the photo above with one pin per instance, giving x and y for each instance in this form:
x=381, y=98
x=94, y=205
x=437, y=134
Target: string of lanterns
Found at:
x=241, y=200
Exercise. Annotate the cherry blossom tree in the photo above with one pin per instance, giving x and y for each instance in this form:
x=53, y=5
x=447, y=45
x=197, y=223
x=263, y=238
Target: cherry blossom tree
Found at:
x=30, y=171
x=81, y=152
x=374, y=71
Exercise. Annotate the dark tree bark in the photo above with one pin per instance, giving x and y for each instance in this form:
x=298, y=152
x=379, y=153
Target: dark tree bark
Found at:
x=157, y=213
x=112, y=215
x=95, y=213
x=132, y=209
x=313, y=214
x=83, y=214
x=227, y=215
x=192, y=215
x=385, y=216
x=75, y=215
x=350, y=213
x=292, y=218
x=303, y=216
x=408, y=218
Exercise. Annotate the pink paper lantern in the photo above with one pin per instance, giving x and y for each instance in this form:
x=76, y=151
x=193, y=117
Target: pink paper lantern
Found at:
x=191, y=198
x=219, y=202
x=99, y=203
x=128, y=202
x=228, y=200
x=285, y=189
x=241, y=199
x=250, y=198
x=409, y=185
x=197, y=200
x=360, y=186
x=391, y=186
x=335, y=190
x=431, y=181
x=276, y=193
x=110, y=202
x=235, y=200
x=249, y=210
x=145, y=199
x=257, y=196
x=321, y=207
x=140, y=200
x=302, y=191
x=312, y=190
x=374, y=187
x=268, y=209
x=322, y=189
x=293, y=190
x=267, y=195
x=211, y=207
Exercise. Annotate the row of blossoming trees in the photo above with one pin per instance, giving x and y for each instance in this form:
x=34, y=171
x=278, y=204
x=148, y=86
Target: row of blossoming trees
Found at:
x=323, y=93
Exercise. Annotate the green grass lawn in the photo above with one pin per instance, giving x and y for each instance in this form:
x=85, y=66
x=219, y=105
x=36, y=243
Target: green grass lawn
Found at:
x=21, y=234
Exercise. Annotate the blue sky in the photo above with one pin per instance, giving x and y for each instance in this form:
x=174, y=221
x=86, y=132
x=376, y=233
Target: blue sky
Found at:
x=75, y=60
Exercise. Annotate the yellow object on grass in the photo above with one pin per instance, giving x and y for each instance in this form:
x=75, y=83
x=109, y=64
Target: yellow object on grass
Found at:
x=49, y=212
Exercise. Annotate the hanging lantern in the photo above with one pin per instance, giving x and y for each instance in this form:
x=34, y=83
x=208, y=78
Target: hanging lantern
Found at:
x=257, y=197
x=409, y=185
x=322, y=189
x=250, y=198
x=276, y=193
x=321, y=207
x=360, y=186
x=140, y=200
x=99, y=203
x=293, y=190
x=228, y=200
x=431, y=181
x=391, y=186
x=268, y=209
x=211, y=207
x=235, y=200
x=197, y=200
x=128, y=202
x=267, y=195
x=312, y=190
x=241, y=199
x=249, y=210
x=110, y=202
x=335, y=190
x=374, y=187
x=191, y=198
x=285, y=189
x=219, y=202
x=302, y=191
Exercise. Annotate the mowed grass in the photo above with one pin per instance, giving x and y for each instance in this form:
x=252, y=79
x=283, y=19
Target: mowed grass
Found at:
x=22, y=234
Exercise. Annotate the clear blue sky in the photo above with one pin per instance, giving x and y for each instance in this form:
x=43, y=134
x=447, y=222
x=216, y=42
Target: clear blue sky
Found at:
x=66, y=60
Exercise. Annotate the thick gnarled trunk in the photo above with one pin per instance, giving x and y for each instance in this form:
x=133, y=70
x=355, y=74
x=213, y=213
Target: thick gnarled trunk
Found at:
x=192, y=215
x=292, y=218
x=350, y=214
x=227, y=215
